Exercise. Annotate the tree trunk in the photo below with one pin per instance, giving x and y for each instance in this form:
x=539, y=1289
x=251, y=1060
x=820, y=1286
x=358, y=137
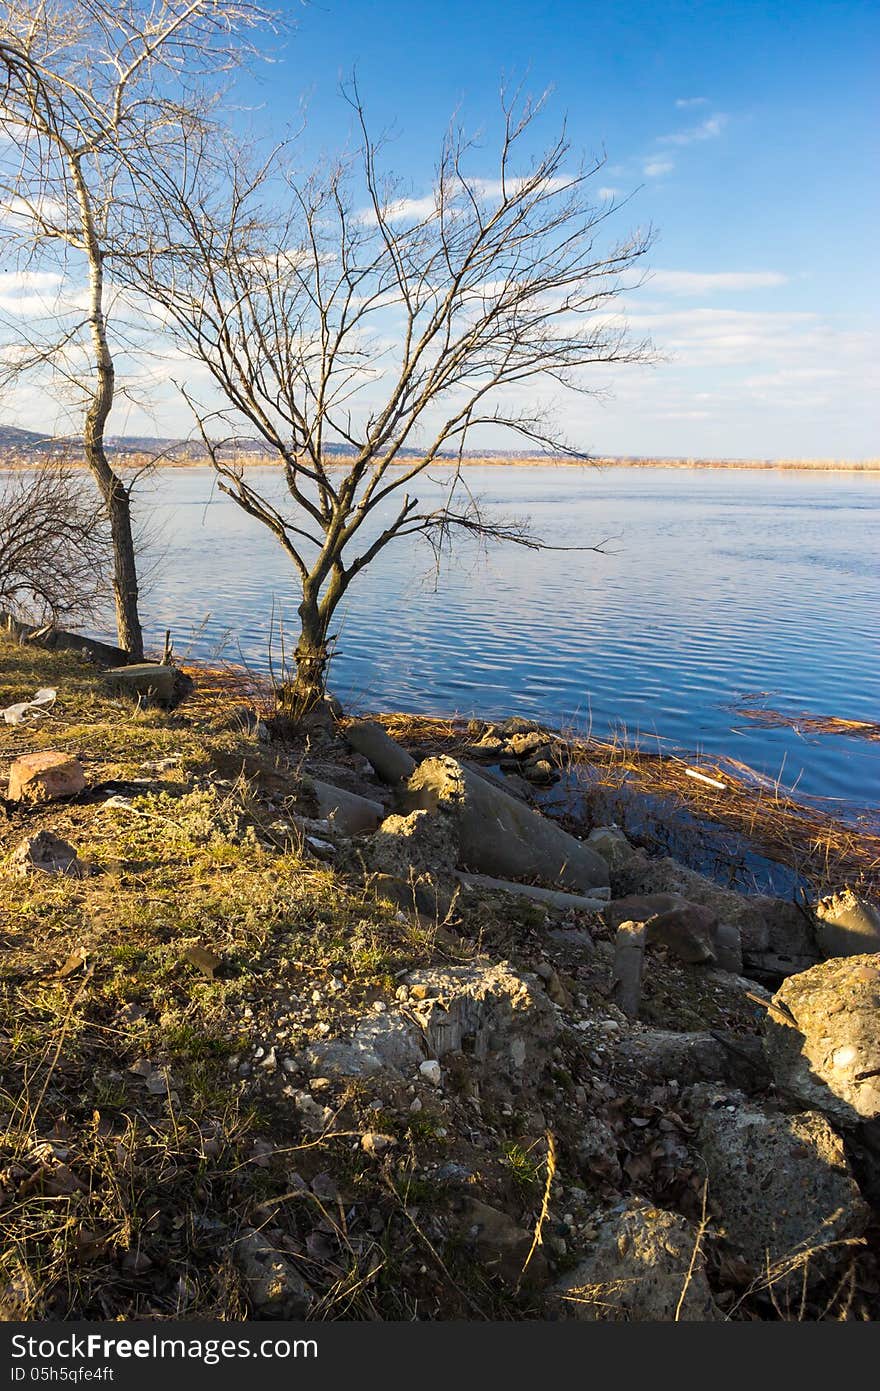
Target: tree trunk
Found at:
x=113, y=490
x=309, y=684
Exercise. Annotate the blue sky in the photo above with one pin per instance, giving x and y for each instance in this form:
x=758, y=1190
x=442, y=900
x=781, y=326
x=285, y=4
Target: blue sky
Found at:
x=750, y=133
x=746, y=135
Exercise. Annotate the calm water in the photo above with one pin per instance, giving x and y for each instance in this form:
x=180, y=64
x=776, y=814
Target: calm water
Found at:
x=716, y=586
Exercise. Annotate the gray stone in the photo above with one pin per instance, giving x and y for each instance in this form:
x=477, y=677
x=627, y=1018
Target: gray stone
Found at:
x=664, y=1055
x=687, y=929
x=641, y=1268
x=421, y=896
x=502, y=1246
x=775, y=934
x=823, y=1043
x=391, y=762
x=144, y=681
x=503, y=1020
x=613, y=846
x=380, y=1043
x=629, y=960
x=48, y=854
x=847, y=924
x=783, y=1185
x=553, y=898
x=348, y=813
x=422, y=844
x=274, y=1286
x=499, y=835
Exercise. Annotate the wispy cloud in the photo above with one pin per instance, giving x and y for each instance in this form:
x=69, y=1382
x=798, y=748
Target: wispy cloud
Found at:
x=656, y=168
x=688, y=282
x=709, y=129
x=684, y=102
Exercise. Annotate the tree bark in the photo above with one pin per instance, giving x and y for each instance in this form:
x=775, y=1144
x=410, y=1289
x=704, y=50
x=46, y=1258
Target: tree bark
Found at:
x=113, y=490
x=309, y=684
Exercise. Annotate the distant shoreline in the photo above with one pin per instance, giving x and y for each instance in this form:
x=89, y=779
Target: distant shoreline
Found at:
x=125, y=460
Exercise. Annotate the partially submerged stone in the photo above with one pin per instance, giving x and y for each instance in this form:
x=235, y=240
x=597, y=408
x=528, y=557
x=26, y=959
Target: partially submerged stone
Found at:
x=390, y=762
x=499, y=835
x=787, y=1197
x=823, y=1040
x=848, y=924
x=644, y=1265
x=45, y=777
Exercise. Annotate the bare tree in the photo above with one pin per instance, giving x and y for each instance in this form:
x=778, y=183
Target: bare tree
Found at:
x=91, y=93
x=54, y=544
x=364, y=335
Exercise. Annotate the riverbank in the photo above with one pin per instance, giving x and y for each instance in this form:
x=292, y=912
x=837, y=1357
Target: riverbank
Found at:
x=269, y=1051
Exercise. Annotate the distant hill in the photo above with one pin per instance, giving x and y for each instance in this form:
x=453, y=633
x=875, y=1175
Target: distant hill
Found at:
x=13, y=438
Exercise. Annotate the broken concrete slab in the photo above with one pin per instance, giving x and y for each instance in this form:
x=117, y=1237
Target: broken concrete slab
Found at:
x=553, y=898
x=499, y=835
x=390, y=761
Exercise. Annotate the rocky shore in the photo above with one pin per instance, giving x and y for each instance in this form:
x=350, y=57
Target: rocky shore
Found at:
x=301, y=1022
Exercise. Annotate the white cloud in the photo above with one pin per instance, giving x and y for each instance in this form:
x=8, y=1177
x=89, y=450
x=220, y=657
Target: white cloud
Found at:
x=686, y=282
x=420, y=209
x=607, y=192
x=656, y=168
x=684, y=102
x=706, y=130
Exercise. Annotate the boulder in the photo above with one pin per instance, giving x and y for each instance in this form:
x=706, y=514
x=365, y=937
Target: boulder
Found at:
x=823, y=1040
x=420, y=845
x=553, y=898
x=782, y=1183
x=613, y=846
x=348, y=813
x=48, y=854
x=45, y=777
x=503, y=1020
x=275, y=1288
x=499, y=835
x=147, y=681
x=390, y=762
x=847, y=924
x=776, y=935
x=687, y=929
x=644, y=1266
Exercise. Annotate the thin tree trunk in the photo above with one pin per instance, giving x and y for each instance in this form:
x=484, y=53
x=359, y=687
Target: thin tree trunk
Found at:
x=113, y=490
